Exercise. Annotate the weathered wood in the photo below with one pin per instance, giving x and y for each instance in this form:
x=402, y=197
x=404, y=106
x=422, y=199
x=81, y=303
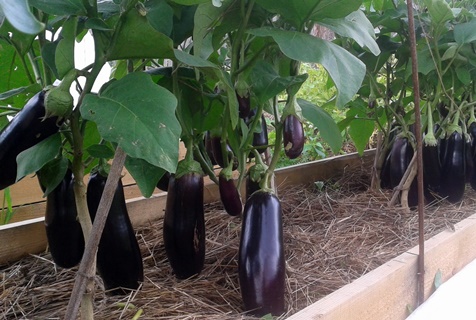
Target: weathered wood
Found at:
x=389, y=291
x=21, y=238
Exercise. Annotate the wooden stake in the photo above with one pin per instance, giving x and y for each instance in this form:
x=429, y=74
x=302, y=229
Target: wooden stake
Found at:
x=85, y=268
x=421, y=213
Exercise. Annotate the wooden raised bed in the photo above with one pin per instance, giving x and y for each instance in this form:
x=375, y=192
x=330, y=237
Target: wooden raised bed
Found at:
x=388, y=292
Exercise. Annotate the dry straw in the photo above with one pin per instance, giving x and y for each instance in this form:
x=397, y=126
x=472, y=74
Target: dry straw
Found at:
x=332, y=236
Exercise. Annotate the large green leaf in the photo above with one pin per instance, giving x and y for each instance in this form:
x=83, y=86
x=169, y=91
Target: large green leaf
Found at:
x=355, y=26
x=19, y=15
x=346, y=70
x=145, y=175
x=205, y=18
x=139, y=116
x=34, y=158
x=465, y=32
x=300, y=12
x=267, y=83
x=137, y=39
x=324, y=122
x=60, y=7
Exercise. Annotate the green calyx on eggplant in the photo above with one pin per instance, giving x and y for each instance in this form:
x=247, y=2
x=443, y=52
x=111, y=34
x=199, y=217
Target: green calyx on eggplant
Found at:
x=58, y=100
x=63, y=230
x=184, y=222
x=261, y=261
x=242, y=91
x=26, y=129
x=453, y=173
x=293, y=136
x=229, y=195
x=253, y=178
x=119, y=260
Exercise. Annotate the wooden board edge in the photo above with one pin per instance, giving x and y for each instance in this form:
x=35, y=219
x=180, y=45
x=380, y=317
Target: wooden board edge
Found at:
x=389, y=291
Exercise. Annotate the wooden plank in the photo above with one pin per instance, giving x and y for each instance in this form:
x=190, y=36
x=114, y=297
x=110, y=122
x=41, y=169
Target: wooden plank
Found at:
x=389, y=291
x=21, y=238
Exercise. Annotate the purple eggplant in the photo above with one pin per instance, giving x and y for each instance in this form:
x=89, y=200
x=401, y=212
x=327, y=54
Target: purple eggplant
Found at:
x=453, y=177
x=63, y=230
x=431, y=171
x=25, y=130
x=293, y=137
x=244, y=105
x=184, y=224
x=119, y=260
x=218, y=154
x=229, y=195
x=163, y=183
x=261, y=261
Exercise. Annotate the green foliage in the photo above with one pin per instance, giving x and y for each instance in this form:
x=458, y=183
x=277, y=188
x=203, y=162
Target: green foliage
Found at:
x=139, y=116
x=34, y=158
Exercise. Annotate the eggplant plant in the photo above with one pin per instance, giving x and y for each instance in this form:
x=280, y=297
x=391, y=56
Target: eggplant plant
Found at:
x=181, y=70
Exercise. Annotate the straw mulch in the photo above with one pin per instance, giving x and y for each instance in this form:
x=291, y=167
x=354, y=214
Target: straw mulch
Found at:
x=332, y=236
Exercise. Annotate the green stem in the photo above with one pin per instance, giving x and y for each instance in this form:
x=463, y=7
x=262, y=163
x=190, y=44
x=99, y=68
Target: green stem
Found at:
x=237, y=42
x=36, y=67
x=265, y=184
x=204, y=164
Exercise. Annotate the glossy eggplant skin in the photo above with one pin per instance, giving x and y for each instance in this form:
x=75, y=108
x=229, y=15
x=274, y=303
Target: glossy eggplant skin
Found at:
x=25, y=130
x=472, y=132
x=184, y=225
x=261, y=261
x=229, y=195
x=468, y=153
x=401, y=156
x=260, y=139
x=209, y=147
x=218, y=154
x=293, y=137
x=453, y=176
x=244, y=106
x=163, y=183
x=431, y=171
x=119, y=260
x=251, y=187
x=63, y=230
